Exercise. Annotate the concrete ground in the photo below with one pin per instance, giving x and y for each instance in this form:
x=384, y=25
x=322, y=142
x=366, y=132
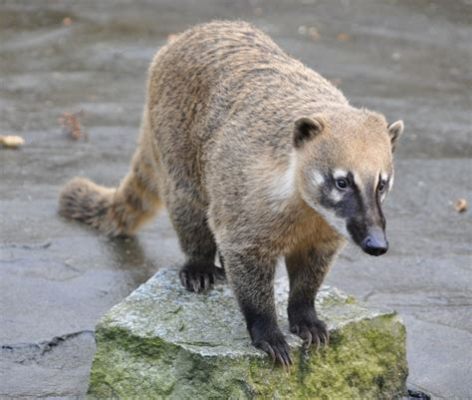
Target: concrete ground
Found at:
x=408, y=59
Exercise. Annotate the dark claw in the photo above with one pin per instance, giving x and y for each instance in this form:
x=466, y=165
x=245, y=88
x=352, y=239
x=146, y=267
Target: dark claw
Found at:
x=281, y=359
x=195, y=284
x=206, y=282
x=313, y=332
x=325, y=339
x=264, y=346
x=309, y=339
x=287, y=357
x=199, y=277
x=183, y=279
x=318, y=342
x=278, y=352
x=284, y=358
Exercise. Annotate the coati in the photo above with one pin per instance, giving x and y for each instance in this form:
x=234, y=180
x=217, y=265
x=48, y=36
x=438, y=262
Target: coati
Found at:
x=255, y=156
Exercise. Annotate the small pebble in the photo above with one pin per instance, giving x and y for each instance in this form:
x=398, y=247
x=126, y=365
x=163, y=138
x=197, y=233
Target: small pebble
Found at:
x=343, y=37
x=461, y=205
x=11, y=142
x=313, y=33
x=396, y=56
x=172, y=37
x=302, y=30
x=67, y=21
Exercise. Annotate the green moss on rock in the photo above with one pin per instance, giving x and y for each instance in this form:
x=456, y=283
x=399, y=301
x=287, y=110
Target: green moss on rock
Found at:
x=165, y=343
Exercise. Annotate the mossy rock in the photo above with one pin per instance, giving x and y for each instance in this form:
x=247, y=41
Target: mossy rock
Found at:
x=163, y=342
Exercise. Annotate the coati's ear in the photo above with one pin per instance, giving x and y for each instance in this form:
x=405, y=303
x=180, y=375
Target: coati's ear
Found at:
x=395, y=130
x=306, y=129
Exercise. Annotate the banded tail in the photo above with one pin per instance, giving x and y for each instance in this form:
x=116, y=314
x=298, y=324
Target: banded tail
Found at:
x=116, y=211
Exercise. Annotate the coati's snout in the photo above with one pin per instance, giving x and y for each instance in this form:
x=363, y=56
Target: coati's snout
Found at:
x=375, y=243
x=372, y=240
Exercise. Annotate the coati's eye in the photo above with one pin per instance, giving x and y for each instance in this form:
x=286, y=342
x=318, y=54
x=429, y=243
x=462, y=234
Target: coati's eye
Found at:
x=382, y=186
x=342, y=183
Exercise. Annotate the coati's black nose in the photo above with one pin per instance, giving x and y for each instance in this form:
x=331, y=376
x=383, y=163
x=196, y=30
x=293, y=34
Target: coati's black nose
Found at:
x=375, y=244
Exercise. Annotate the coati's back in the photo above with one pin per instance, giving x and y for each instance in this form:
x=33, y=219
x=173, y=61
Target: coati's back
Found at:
x=223, y=69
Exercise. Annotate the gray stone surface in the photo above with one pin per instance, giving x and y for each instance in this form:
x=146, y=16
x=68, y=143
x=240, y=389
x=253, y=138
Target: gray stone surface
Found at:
x=165, y=342
x=60, y=366
x=409, y=59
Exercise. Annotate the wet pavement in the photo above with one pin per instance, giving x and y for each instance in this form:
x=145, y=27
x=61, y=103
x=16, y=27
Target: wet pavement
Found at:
x=407, y=59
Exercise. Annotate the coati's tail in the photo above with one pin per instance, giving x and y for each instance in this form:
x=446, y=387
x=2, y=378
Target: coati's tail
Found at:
x=120, y=211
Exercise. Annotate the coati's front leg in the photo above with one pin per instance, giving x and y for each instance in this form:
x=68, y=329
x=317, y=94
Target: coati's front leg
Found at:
x=307, y=269
x=199, y=272
x=252, y=279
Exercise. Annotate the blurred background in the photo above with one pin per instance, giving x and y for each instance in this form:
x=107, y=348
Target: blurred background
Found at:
x=72, y=86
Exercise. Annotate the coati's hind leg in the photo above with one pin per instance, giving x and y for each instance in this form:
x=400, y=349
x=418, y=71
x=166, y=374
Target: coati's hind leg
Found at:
x=199, y=272
x=307, y=269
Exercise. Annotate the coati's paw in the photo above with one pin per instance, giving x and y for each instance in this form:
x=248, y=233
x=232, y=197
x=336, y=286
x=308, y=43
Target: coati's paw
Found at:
x=312, y=330
x=273, y=342
x=200, y=277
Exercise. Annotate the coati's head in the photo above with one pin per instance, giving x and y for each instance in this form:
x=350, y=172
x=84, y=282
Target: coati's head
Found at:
x=345, y=171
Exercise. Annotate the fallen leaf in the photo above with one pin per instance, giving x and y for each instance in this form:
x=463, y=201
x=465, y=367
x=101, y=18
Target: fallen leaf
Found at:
x=336, y=81
x=302, y=30
x=71, y=125
x=343, y=37
x=67, y=21
x=171, y=37
x=313, y=33
x=461, y=205
x=11, y=141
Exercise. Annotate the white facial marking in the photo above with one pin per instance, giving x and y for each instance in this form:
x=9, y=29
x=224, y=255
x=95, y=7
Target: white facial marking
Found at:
x=337, y=223
x=317, y=178
x=358, y=181
x=390, y=183
x=357, y=178
x=384, y=178
x=339, y=173
x=283, y=186
x=336, y=195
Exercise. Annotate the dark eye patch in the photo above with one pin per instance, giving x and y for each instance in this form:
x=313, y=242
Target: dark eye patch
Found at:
x=342, y=183
x=351, y=200
x=382, y=185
